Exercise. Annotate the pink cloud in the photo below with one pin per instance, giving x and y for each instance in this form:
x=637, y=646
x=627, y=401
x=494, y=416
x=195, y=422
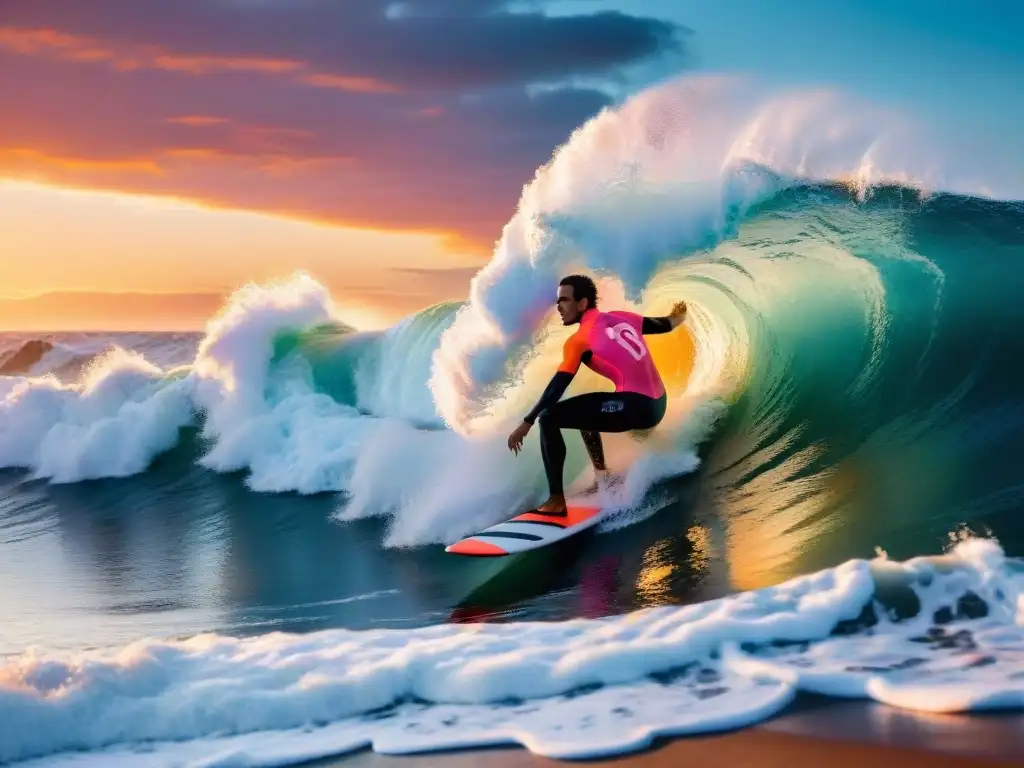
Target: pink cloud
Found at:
x=329, y=111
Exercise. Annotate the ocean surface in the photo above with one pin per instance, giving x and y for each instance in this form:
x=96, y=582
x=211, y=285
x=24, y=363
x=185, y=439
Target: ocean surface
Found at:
x=228, y=547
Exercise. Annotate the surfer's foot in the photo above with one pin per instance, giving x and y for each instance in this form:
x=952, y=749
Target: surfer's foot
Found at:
x=603, y=480
x=553, y=506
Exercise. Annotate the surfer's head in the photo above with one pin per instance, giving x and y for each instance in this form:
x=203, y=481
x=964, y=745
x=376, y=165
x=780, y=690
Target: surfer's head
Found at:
x=576, y=294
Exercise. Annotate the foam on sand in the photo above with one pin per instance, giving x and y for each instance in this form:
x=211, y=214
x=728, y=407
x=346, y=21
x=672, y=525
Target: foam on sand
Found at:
x=580, y=688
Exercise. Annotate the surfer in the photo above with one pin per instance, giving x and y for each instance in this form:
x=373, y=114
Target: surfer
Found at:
x=612, y=345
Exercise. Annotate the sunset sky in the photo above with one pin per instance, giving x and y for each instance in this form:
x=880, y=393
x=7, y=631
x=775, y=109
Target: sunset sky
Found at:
x=187, y=147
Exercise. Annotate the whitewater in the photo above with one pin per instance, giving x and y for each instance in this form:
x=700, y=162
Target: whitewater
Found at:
x=842, y=384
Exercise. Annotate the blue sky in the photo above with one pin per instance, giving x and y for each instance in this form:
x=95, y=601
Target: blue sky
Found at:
x=952, y=61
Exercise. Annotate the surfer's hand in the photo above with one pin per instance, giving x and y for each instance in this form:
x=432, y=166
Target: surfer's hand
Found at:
x=678, y=313
x=515, y=440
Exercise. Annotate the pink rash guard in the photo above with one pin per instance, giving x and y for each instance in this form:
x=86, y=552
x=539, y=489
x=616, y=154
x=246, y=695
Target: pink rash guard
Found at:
x=612, y=345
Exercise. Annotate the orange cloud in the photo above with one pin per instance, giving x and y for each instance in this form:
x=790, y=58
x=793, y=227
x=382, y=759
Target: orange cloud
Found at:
x=206, y=65
x=269, y=162
x=168, y=165
x=80, y=48
x=354, y=84
x=35, y=41
x=15, y=159
x=197, y=121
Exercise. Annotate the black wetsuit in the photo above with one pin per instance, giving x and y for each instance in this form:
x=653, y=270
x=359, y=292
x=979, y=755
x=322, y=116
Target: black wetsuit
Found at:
x=596, y=412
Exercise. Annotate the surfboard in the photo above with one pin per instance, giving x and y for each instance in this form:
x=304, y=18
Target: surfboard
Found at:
x=529, y=530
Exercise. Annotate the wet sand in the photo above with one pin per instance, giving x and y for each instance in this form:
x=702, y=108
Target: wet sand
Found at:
x=813, y=732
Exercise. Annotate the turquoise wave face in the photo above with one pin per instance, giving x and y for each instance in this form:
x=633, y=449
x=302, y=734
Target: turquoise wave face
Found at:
x=880, y=404
x=866, y=351
x=380, y=373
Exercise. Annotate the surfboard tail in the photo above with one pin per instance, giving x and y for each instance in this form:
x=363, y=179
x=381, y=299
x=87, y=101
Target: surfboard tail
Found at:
x=475, y=548
x=526, y=531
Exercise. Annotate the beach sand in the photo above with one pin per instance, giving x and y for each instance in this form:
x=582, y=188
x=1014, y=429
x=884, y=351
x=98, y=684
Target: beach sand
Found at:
x=812, y=732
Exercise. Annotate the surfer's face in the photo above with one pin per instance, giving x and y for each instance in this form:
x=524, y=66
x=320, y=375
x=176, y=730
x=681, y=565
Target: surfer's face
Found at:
x=569, y=309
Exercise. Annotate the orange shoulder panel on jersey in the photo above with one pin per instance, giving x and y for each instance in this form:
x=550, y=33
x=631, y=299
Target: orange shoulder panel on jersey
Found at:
x=572, y=353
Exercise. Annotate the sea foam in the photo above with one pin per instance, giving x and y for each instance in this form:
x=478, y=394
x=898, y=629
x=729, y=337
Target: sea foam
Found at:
x=570, y=689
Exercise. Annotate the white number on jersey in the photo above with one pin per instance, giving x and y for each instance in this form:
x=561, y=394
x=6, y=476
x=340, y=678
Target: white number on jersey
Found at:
x=626, y=337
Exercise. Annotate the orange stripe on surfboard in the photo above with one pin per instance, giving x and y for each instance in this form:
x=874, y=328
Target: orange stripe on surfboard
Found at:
x=475, y=547
x=573, y=516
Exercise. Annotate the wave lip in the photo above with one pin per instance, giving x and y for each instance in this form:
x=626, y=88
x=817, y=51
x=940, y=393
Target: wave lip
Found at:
x=548, y=686
x=670, y=173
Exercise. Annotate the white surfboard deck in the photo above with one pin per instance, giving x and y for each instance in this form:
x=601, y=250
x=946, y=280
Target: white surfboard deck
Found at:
x=529, y=530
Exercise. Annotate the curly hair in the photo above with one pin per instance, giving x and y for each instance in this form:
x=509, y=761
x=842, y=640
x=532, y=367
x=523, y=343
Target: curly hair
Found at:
x=582, y=288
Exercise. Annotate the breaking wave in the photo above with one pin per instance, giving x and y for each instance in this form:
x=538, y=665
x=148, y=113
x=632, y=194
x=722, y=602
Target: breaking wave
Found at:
x=844, y=367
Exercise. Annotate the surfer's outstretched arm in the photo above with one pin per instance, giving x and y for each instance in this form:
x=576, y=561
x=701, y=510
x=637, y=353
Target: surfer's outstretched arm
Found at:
x=654, y=325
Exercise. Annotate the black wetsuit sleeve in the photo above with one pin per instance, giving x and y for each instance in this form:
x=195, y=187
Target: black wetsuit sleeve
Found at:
x=653, y=325
x=555, y=389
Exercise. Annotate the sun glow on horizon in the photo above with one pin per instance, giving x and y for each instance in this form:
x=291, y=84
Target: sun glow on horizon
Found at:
x=69, y=240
